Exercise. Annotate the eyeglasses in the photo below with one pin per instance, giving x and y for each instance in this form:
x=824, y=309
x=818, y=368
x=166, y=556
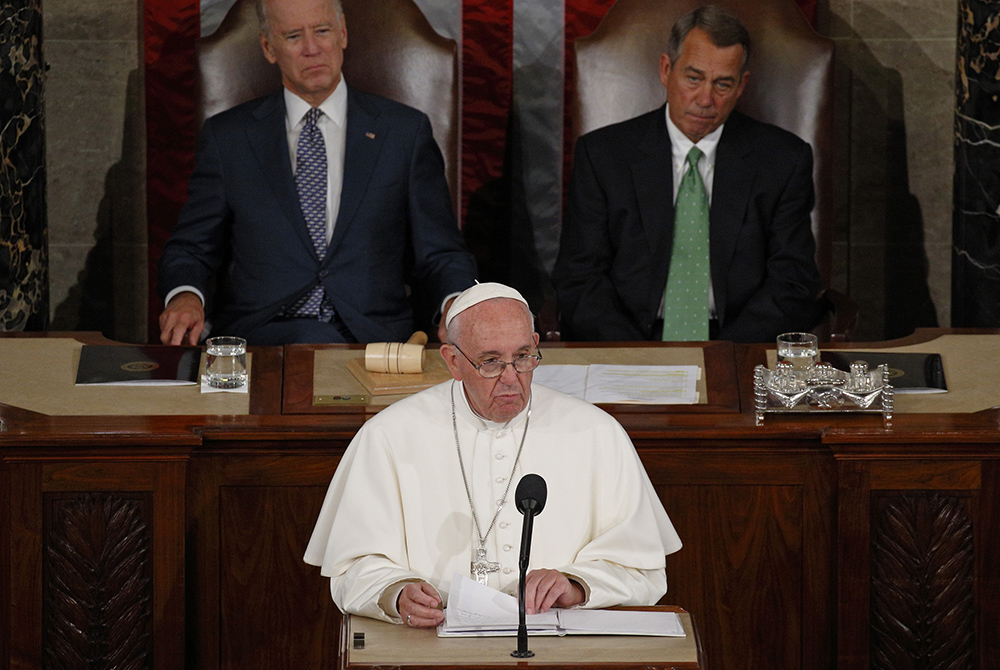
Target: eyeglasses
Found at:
x=494, y=368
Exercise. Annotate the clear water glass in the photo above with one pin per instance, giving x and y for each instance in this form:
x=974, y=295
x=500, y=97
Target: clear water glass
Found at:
x=226, y=362
x=799, y=349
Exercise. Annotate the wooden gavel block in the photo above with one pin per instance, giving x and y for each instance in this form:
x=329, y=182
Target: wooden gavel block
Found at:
x=397, y=357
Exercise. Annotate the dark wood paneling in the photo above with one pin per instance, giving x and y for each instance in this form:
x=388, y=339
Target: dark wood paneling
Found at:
x=927, y=475
x=4, y=568
x=91, y=510
x=853, y=560
x=922, y=582
x=987, y=541
x=754, y=567
x=266, y=589
x=97, y=580
x=912, y=561
x=743, y=545
x=266, y=375
x=249, y=520
x=25, y=577
x=775, y=519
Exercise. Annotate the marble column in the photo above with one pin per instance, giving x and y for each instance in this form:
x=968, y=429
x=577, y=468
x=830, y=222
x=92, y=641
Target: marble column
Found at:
x=24, y=289
x=976, y=221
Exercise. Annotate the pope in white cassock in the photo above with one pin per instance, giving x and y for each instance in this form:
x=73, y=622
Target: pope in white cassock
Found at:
x=426, y=487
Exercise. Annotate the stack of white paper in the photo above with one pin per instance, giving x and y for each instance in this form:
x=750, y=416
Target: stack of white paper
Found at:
x=477, y=610
x=646, y=384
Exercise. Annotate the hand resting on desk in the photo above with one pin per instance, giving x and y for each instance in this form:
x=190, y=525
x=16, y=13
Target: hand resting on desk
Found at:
x=546, y=588
x=183, y=316
x=419, y=605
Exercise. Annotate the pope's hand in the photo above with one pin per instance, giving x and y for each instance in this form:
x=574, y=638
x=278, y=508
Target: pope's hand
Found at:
x=550, y=588
x=419, y=605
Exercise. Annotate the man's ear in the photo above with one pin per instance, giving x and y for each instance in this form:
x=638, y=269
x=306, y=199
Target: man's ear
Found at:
x=265, y=44
x=343, y=32
x=450, y=356
x=664, y=69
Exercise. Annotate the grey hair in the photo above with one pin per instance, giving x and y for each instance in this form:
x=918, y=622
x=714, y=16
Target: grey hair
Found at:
x=264, y=24
x=456, y=328
x=723, y=28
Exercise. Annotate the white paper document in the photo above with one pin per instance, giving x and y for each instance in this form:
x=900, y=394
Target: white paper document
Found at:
x=477, y=610
x=648, y=384
x=570, y=379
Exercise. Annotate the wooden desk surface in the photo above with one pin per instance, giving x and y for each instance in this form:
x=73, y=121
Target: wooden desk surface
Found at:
x=389, y=645
x=718, y=386
x=39, y=375
x=283, y=383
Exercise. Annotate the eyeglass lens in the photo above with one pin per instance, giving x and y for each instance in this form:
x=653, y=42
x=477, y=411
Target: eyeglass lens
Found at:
x=521, y=364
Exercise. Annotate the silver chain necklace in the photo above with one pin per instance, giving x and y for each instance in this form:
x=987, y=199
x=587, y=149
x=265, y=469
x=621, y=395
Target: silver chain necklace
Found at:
x=482, y=568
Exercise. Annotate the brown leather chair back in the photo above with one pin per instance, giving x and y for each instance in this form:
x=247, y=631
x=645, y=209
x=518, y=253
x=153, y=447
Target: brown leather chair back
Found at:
x=791, y=80
x=392, y=51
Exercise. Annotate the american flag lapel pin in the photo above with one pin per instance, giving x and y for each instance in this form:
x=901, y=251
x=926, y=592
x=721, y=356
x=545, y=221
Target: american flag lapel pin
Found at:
x=370, y=135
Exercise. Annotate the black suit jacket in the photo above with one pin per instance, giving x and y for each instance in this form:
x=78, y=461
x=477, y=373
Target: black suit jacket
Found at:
x=395, y=228
x=614, y=255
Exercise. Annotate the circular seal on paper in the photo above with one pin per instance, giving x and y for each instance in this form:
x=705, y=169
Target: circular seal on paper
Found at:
x=140, y=366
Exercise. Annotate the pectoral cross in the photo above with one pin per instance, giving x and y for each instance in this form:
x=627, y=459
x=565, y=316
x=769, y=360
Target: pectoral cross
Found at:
x=482, y=568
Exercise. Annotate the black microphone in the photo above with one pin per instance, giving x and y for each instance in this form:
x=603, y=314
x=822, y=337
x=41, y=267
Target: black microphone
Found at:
x=530, y=494
x=530, y=500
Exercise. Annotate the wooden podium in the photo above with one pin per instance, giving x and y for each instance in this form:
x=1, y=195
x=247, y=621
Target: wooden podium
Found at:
x=386, y=645
x=216, y=496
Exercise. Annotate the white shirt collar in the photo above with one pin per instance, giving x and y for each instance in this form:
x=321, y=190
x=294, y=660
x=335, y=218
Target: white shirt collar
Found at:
x=681, y=145
x=334, y=107
x=464, y=410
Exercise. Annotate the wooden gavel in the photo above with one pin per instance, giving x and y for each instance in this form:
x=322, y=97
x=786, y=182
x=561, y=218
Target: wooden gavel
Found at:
x=397, y=357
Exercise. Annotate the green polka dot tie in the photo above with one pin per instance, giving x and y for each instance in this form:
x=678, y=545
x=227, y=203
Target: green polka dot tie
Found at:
x=685, y=305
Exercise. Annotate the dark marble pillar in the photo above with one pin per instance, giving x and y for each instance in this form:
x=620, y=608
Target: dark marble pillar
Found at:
x=975, y=283
x=24, y=282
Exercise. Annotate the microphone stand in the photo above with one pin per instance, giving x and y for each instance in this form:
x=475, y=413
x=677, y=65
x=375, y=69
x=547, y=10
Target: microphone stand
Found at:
x=522, y=650
x=530, y=499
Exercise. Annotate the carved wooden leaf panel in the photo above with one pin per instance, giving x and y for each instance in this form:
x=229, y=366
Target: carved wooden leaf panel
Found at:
x=922, y=582
x=97, y=593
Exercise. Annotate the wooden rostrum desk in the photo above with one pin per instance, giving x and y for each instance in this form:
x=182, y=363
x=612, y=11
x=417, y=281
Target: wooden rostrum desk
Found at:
x=809, y=542
x=384, y=645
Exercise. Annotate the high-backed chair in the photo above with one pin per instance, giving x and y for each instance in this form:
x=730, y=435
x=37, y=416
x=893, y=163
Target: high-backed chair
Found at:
x=791, y=85
x=392, y=51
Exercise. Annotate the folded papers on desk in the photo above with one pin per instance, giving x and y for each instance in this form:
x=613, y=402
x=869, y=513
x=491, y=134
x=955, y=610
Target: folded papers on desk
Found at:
x=908, y=372
x=641, y=384
x=477, y=610
x=142, y=365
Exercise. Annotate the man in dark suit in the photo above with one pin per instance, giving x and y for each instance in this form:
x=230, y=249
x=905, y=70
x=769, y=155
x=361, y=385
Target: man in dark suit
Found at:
x=616, y=275
x=323, y=251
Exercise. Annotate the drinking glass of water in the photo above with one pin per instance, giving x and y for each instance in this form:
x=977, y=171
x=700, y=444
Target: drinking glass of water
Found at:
x=226, y=362
x=799, y=349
